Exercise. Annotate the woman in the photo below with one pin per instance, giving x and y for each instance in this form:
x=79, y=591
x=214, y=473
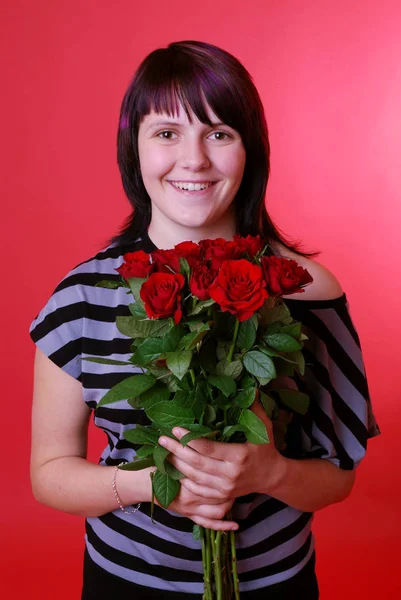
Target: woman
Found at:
x=193, y=153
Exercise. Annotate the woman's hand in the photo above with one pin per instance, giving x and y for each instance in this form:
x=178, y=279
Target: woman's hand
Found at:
x=225, y=471
x=207, y=512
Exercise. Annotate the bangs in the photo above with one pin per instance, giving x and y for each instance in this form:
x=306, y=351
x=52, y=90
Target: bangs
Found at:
x=168, y=81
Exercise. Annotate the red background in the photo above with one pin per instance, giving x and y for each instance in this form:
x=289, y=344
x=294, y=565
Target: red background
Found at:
x=329, y=74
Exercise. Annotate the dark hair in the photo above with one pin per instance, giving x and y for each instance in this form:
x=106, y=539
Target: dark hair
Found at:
x=186, y=72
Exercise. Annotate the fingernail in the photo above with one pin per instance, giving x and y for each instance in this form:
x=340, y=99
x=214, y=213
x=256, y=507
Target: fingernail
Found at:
x=163, y=442
x=178, y=432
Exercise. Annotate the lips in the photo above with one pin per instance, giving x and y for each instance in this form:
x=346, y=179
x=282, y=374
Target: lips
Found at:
x=192, y=186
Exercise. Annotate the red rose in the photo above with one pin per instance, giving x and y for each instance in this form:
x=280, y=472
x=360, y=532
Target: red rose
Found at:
x=249, y=244
x=165, y=261
x=239, y=288
x=136, y=264
x=161, y=295
x=219, y=250
x=190, y=251
x=201, y=279
x=284, y=276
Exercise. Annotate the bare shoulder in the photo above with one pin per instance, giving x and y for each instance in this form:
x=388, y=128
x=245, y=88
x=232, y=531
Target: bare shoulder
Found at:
x=325, y=285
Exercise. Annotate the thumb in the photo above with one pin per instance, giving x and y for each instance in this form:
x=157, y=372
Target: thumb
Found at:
x=260, y=412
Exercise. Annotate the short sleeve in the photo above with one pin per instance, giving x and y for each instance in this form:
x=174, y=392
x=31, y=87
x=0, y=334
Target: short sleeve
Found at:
x=340, y=418
x=58, y=329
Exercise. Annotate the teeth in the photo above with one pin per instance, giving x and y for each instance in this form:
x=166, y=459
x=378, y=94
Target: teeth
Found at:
x=191, y=187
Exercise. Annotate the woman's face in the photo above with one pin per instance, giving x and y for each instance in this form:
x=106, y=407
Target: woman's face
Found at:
x=191, y=171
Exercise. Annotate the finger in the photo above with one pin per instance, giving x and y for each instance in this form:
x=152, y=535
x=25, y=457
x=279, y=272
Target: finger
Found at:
x=195, y=474
x=193, y=458
x=219, y=453
x=260, y=412
x=217, y=525
x=213, y=495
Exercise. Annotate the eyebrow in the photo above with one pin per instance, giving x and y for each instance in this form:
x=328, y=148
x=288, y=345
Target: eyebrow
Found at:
x=172, y=122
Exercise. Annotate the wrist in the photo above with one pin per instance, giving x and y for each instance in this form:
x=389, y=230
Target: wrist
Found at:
x=134, y=486
x=276, y=473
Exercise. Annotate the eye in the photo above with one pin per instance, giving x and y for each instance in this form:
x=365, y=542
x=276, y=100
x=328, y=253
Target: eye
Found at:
x=221, y=135
x=165, y=135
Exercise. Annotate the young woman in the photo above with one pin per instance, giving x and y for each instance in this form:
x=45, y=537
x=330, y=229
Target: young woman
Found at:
x=193, y=153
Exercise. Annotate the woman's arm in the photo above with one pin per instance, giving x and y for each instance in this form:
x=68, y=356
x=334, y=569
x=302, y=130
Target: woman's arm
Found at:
x=62, y=477
x=60, y=474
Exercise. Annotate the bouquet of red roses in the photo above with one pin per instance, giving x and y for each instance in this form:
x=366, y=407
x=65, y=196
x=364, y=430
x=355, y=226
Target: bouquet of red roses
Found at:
x=211, y=332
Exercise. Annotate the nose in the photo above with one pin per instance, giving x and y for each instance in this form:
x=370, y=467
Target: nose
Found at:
x=194, y=155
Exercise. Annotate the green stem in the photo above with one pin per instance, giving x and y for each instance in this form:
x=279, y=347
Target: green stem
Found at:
x=234, y=566
x=191, y=372
x=231, y=351
x=207, y=593
x=208, y=563
x=216, y=537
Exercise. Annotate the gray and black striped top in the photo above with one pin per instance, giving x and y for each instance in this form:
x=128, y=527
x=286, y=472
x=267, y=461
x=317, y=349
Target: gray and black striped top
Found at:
x=274, y=540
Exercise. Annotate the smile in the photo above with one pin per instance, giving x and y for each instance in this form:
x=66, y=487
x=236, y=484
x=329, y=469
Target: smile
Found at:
x=192, y=187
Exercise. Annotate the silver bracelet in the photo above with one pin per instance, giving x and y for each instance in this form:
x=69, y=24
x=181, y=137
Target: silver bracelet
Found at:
x=120, y=504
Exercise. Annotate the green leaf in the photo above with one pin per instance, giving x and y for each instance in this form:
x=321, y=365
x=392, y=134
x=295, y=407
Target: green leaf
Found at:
x=135, y=284
x=170, y=414
x=189, y=399
x=231, y=429
x=255, y=429
x=184, y=267
x=105, y=361
x=190, y=341
x=282, y=342
x=128, y=388
x=172, y=471
x=197, y=532
x=158, y=393
x=209, y=416
x=295, y=400
x=110, y=285
x=138, y=464
x=178, y=362
x=246, y=381
x=165, y=488
x=160, y=454
x=246, y=398
x=269, y=351
x=260, y=365
x=223, y=383
x=201, y=432
x=142, y=435
x=299, y=358
x=172, y=383
x=247, y=333
x=231, y=369
x=294, y=329
x=133, y=327
x=269, y=404
x=200, y=306
x=174, y=336
x=201, y=398
x=277, y=313
x=273, y=328
x=137, y=310
x=144, y=451
x=148, y=351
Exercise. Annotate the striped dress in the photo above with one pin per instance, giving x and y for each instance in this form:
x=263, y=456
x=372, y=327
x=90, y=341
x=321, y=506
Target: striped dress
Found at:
x=274, y=541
